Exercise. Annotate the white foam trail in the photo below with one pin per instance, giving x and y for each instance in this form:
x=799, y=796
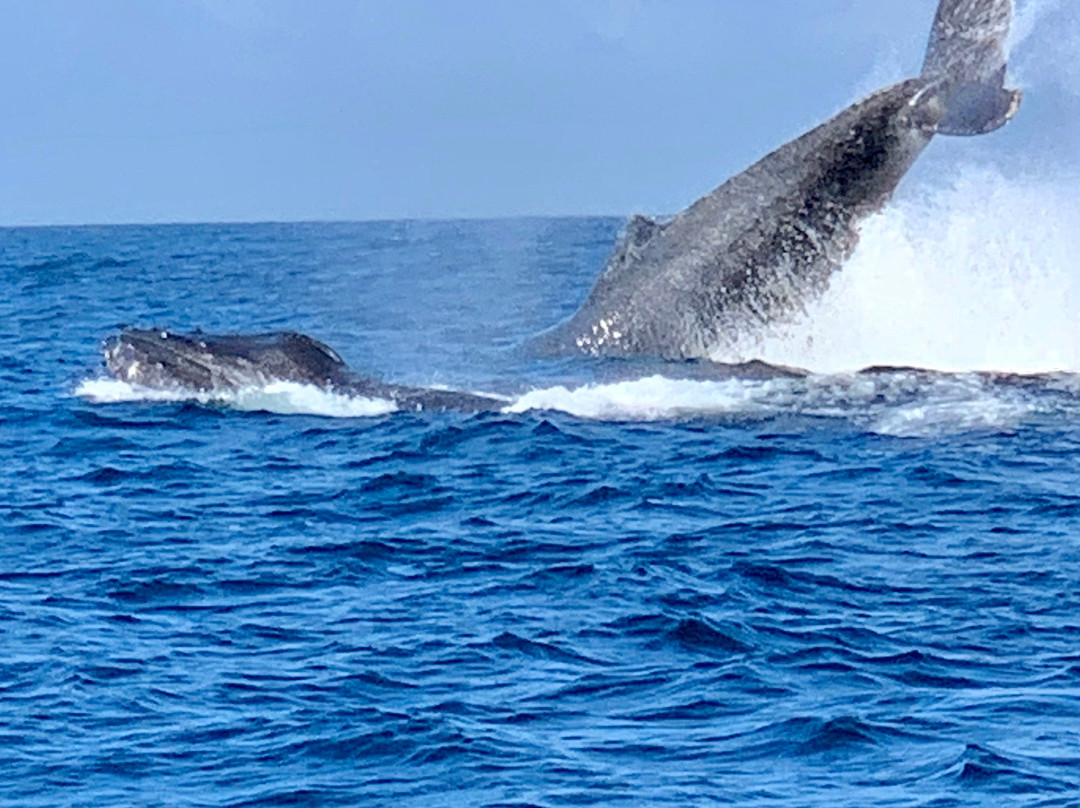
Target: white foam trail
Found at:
x=291, y=398
x=939, y=417
x=905, y=404
x=980, y=275
x=280, y=397
x=652, y=398
x=114, y=391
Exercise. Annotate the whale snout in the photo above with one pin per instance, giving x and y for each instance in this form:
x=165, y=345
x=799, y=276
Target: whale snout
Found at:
x=124, y=359
x=153, y=358
x=223, y=362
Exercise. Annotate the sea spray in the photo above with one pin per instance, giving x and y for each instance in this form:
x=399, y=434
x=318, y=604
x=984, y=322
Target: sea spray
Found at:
x=980, y=274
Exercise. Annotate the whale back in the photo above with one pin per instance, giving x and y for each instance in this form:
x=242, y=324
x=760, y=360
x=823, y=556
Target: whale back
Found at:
x=755, y=247
x=285, y=355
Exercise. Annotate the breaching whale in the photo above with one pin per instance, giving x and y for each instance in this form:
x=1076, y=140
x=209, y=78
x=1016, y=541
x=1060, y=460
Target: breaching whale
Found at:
x=747, y=254
x=762, y=244
x=223, y=363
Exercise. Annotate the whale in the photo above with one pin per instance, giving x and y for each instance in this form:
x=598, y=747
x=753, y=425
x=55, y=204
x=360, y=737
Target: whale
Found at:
x=218, y=364
x=758, y=248
x=749, y=254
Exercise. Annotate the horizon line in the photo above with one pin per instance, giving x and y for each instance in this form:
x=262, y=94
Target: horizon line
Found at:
x=314, y=221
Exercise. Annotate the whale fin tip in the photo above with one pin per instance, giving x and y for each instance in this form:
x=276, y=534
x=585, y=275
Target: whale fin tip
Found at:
x=967, y=60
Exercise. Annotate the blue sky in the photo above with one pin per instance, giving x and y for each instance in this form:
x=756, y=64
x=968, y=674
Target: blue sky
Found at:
x=250, y=110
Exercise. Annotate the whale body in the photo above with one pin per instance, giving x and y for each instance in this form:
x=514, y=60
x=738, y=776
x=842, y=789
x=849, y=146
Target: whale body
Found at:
x=757, y=248
x=224, y=363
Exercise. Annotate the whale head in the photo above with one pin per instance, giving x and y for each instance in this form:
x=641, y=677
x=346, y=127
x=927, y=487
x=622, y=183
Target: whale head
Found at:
x=168, y=360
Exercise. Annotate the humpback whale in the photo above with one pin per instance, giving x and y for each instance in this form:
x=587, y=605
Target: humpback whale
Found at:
x=748, y=254
x=223, y=363
x=753, y=251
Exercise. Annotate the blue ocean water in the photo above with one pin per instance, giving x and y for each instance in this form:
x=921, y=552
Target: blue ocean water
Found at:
x=633, y=587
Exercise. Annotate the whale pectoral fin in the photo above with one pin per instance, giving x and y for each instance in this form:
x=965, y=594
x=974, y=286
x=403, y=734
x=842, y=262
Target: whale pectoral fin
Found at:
x=966, y=59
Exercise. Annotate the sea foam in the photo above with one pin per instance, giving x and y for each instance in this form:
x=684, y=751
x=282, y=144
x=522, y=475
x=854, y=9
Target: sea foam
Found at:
x=281, y=397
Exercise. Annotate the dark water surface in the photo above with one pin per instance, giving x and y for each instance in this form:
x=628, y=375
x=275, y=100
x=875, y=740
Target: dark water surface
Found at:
x=826, y=592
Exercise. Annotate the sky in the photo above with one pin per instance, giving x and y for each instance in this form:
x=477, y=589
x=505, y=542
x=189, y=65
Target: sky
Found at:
x=118, y=111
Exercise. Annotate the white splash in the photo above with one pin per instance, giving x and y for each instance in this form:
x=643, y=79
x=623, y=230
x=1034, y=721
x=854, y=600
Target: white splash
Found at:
x=114, y=391
x=980, y=275
x=902, y=403
x=280, y=397
x=648, y=399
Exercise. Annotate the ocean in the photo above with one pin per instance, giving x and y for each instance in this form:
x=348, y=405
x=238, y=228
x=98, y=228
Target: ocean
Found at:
x=634, y=586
